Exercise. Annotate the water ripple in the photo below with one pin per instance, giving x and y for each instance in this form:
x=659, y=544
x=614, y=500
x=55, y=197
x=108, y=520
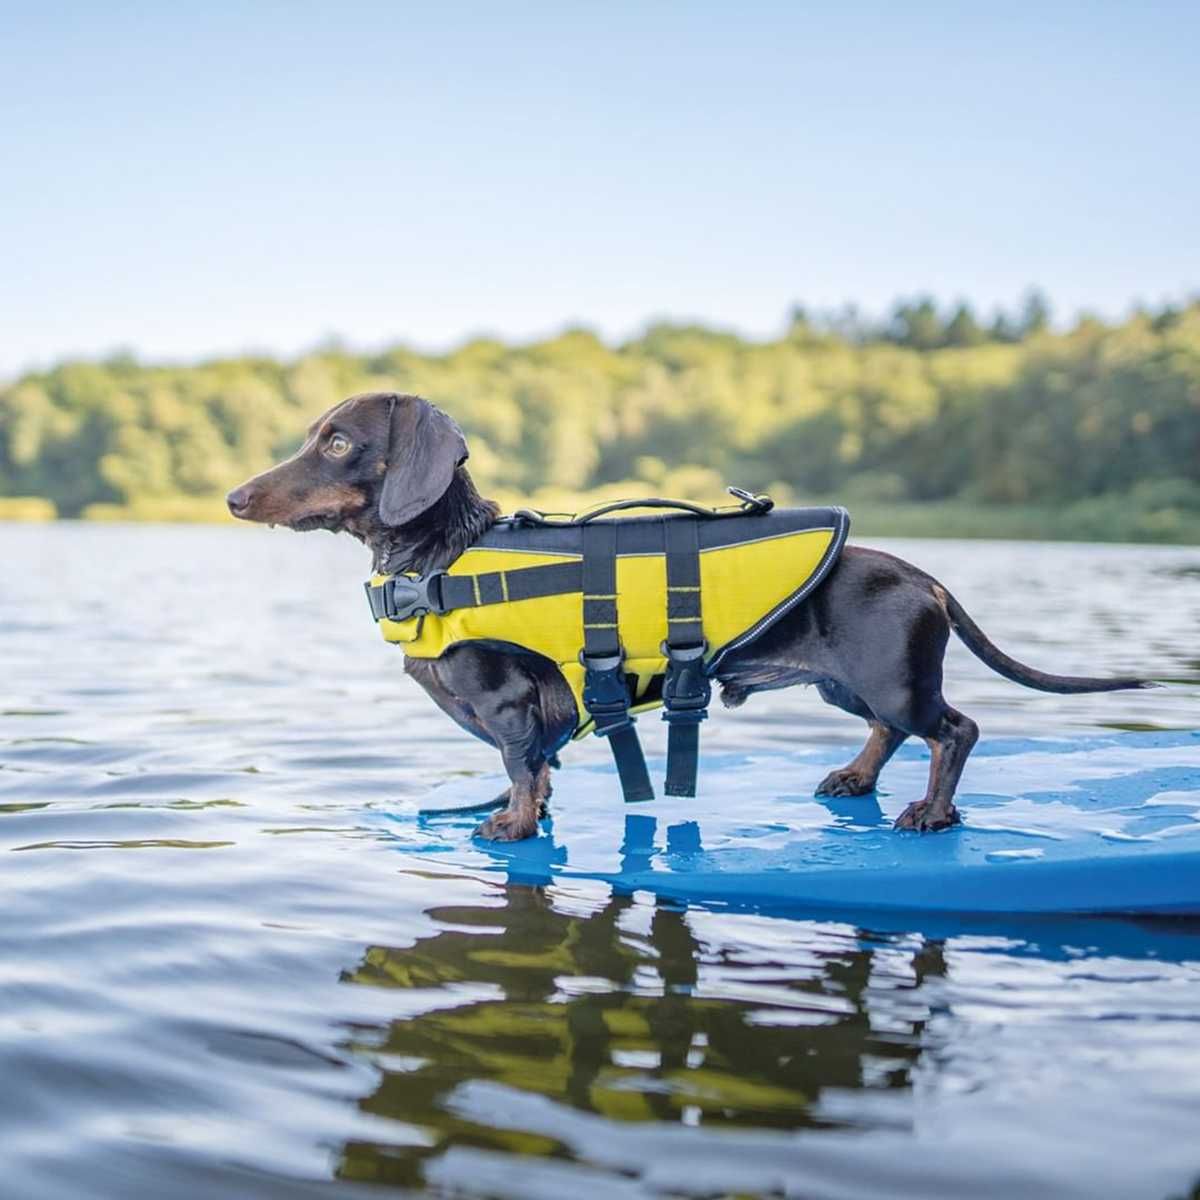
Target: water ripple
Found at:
x=308, y=1010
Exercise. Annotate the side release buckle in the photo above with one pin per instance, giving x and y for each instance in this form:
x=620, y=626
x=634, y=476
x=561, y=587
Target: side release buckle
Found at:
x=604, y=694
x=405, y=597
x=687, y=690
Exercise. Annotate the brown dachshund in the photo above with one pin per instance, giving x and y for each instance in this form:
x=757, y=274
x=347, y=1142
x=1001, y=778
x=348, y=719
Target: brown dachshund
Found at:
x=389, y=470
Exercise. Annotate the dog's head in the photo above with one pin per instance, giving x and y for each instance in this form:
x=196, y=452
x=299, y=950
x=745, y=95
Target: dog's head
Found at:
x=377, y=455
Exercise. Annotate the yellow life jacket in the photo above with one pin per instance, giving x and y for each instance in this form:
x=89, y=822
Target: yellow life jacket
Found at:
x=524, y=585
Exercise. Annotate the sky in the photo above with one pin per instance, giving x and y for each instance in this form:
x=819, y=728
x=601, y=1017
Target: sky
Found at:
x=190, y=179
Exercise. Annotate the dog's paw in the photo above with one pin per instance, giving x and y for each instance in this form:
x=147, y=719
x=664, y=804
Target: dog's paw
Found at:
x=509, y=826
x=845, y=783
x=921, y=816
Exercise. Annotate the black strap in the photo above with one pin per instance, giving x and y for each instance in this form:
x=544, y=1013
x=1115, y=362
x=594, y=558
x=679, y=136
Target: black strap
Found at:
x=683, y=757
x=604, y=693
x=403, y=596
x=631, y=764
x=499, y=587
x=683, y=583
x=687, y=689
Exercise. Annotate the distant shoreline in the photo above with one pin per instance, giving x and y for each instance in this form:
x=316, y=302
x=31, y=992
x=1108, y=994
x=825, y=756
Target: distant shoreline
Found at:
x=1102, y=520
x=926, y=425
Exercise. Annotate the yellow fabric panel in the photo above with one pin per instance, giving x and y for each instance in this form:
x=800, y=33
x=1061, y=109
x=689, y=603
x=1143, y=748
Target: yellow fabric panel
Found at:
x=481, y=559
x=740, y=586
x=404, y=633
x=642, y=604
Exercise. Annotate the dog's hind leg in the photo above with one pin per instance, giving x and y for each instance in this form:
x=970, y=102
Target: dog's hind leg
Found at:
x=858, y=778
x=900, y=680
x=949, y=743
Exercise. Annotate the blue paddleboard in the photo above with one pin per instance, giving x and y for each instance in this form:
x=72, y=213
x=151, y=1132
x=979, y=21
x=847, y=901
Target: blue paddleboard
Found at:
x=1101, y=824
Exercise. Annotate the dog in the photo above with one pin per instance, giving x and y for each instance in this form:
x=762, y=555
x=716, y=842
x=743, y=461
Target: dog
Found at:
x=389, y=469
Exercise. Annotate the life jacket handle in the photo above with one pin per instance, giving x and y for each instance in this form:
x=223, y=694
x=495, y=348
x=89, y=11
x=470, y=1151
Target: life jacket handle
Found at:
x=750, y=503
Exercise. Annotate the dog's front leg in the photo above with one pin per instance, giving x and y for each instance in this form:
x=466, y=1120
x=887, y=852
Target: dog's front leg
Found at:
x=508, y=710
x=496, y=696
x=520, y=739
x=526, y=804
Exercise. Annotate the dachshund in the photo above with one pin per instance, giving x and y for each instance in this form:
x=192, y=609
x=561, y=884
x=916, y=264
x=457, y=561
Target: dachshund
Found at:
x=388, y=469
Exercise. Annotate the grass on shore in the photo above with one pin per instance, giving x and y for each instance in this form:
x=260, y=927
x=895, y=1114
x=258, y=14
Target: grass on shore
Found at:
x=26, y=508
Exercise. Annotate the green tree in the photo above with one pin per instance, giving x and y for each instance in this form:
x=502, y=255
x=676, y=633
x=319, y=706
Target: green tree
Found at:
x=1104, y=417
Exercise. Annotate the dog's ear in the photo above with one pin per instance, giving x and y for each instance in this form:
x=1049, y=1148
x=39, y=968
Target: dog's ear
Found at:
x=425, y=447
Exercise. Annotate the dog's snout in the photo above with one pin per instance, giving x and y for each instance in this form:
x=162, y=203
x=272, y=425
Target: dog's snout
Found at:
x=240, y=499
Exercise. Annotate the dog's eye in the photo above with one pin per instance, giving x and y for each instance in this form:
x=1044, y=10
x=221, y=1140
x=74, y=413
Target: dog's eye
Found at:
x=337, y=445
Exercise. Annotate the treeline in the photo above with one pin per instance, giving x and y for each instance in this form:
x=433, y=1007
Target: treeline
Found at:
x=921, y=324
x=1099, y=425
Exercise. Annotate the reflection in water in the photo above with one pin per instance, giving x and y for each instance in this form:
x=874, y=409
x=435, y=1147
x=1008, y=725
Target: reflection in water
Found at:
x=696, y=1053
x=625, y=1013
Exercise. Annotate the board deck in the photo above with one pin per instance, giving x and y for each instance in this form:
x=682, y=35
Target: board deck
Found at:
x=1095, y=824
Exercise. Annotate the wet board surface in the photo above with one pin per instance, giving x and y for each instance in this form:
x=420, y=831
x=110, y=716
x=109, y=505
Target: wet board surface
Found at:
x=1098, y=824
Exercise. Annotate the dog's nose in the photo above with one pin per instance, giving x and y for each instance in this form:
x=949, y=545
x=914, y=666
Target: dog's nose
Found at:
x=239, y=500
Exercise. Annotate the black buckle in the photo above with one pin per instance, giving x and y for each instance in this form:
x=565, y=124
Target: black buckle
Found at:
x=405, y=597
x=687, y=690
x=604, y=694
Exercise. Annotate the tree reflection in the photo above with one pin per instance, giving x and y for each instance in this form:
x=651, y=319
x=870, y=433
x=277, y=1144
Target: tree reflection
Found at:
x=633, y=1013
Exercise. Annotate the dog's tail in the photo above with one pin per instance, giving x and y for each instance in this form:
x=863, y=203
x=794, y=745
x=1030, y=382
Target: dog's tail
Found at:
x=987, y=652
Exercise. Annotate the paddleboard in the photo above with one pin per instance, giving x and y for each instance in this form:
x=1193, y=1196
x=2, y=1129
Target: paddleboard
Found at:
x=1107, y=823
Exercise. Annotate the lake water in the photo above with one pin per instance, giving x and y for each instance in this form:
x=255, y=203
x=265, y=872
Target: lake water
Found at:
x=220, y=977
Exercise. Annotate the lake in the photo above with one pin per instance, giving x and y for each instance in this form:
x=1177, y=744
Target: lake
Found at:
x=220, y=976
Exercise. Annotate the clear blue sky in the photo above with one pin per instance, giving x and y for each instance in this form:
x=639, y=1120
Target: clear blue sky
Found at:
x=187, y=178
